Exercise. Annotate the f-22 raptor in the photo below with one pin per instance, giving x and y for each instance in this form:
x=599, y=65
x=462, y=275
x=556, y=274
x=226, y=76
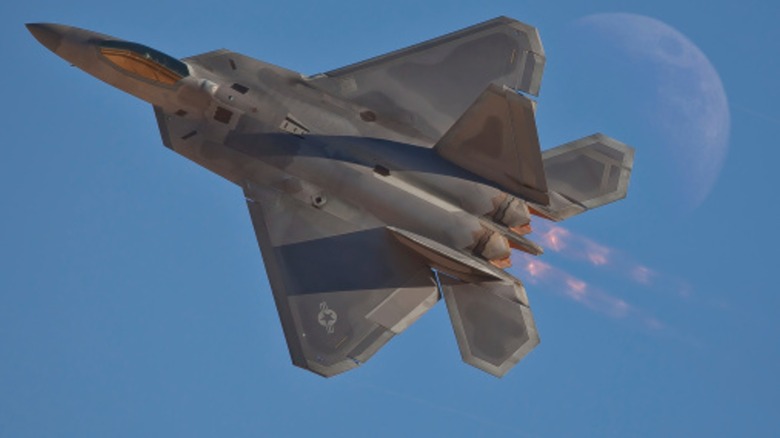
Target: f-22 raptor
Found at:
x=377, y=187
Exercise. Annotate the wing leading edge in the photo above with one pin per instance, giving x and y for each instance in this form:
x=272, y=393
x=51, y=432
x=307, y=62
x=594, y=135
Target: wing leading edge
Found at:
x=429, y=85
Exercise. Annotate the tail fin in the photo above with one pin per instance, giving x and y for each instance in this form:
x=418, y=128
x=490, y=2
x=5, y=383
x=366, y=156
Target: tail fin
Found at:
x=585, y=174
x=496, y=139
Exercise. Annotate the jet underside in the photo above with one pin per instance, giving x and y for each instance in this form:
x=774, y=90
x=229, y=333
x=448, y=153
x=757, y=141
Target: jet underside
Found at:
x=377, y=188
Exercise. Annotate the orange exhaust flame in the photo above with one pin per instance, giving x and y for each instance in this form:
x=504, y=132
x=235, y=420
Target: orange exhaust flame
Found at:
x=597, y=254
x=577, y=247
x=522, y=230
x=504, y=263
x=536, y=270
x=578, y=290
x=555, y=238
x=642, y=274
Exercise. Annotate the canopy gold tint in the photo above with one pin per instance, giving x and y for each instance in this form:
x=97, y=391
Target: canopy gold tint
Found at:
x=140, y=65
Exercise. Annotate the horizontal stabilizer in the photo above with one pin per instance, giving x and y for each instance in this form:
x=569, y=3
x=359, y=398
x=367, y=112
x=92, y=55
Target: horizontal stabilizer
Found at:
x=496, y=139
x=585, y=174
x=488, y=308
x=493, y=328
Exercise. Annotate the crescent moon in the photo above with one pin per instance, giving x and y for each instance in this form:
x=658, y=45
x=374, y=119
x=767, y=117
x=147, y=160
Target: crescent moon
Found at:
x=693, y=111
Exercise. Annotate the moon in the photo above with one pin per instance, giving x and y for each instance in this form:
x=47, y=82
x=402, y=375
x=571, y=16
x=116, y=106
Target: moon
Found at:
x=659, y=78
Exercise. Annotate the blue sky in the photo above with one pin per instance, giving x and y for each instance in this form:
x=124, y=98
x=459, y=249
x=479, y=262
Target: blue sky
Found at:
x=133, y=301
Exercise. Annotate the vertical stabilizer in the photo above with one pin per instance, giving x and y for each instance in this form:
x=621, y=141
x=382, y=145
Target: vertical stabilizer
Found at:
x=496, y=139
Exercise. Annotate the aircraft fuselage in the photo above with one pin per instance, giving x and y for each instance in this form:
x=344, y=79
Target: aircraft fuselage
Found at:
x=379, y=187
x=271, y=128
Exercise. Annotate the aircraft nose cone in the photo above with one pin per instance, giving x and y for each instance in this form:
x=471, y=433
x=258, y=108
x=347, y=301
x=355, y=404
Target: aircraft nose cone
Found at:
x=50, y=35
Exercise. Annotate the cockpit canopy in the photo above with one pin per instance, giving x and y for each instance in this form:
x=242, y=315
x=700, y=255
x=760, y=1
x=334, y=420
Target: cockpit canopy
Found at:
x=144, y=61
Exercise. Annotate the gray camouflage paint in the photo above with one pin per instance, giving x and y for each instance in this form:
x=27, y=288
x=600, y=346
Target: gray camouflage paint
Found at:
x=375, y=188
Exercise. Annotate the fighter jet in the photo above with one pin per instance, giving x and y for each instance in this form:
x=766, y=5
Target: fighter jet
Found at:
x=376, y=188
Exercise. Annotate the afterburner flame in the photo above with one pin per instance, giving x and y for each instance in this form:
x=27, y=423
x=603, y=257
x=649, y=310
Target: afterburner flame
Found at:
x=642, y=274
x=537, y=269
x=576, y=288
x=597, y=254
x=555, y=238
